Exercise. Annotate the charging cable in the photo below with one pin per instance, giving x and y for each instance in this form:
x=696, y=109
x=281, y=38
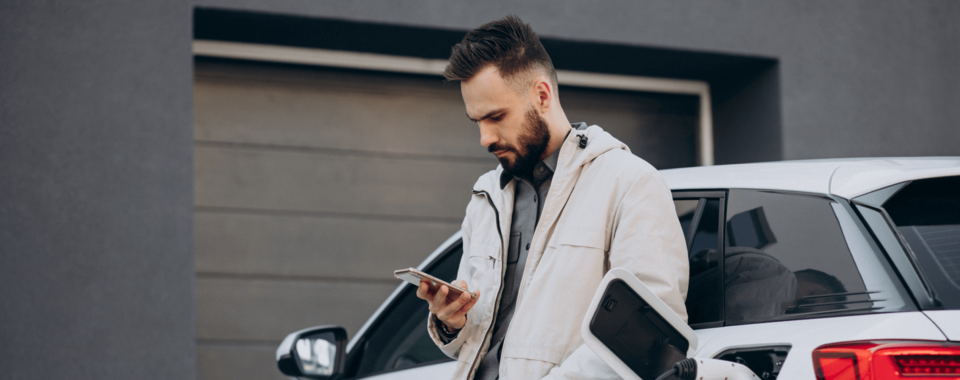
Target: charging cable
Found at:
x=685, y=369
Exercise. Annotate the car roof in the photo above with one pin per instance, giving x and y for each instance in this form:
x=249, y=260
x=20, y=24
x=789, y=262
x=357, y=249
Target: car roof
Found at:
x=844, y=177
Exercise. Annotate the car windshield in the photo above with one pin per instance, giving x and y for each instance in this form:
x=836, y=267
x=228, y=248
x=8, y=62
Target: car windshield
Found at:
x=927, y=215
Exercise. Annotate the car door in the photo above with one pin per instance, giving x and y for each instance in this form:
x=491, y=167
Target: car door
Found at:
x=798, y=270
x=394, y=343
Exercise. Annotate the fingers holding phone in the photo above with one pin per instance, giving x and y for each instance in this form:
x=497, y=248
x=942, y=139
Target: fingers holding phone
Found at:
x=451, y=308
x=449, y=302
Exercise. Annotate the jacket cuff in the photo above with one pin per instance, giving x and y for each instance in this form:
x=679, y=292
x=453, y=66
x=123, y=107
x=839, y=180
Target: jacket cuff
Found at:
x=441, y=332
x=450, y=348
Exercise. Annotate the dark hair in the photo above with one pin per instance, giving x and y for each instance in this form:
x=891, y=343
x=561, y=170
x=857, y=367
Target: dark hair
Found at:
x=509, y=44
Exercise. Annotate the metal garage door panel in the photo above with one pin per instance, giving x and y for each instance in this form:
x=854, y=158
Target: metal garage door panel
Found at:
x=266, y=310
x=305, y=245
x=332, y=109
x=283, y=180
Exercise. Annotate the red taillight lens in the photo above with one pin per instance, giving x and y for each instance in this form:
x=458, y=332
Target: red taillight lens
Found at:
x=928, y=365
x=887, y=360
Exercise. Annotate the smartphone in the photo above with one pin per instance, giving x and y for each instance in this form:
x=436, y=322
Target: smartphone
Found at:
x=414, y=276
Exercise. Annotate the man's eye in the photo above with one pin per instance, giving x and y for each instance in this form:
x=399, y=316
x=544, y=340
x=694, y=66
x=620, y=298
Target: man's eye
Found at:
x=497, y=117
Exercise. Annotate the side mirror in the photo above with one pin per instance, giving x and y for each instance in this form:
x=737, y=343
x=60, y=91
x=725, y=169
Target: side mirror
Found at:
x=314, y=353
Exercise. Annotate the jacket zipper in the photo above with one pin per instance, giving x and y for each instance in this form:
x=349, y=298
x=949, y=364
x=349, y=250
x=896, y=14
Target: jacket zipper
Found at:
x=496, y=306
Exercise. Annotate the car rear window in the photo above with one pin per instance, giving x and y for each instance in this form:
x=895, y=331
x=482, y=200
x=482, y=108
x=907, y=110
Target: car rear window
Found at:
x=785, y=257
x=927, y=215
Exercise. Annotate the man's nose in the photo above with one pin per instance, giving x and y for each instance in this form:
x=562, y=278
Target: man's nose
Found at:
x=488, y=135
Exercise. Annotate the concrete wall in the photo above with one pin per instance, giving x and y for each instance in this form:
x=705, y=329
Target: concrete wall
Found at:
x=96, y=204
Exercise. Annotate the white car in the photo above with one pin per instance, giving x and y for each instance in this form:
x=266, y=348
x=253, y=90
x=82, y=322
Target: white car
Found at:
x=823, y=269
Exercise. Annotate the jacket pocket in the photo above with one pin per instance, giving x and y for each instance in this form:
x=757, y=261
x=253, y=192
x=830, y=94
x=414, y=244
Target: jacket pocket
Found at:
x=482, y=260
x=581, y=238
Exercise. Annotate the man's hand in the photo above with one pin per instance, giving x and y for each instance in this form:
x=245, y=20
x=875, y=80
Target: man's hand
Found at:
x=452, y=313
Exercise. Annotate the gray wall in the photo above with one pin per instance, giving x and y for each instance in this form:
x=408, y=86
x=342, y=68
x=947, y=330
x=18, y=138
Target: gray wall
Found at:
x=857, y=78
x=96, y=190
x=96, y=244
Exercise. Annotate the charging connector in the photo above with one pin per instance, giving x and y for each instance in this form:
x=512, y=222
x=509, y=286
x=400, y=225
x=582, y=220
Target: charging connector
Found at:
x=685, y=369
x=708, y=369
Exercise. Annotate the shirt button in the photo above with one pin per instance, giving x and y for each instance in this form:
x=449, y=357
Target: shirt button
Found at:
x=541, y=169
x=528, y=246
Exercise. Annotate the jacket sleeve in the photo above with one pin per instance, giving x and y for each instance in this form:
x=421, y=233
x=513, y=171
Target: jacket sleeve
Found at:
x=646, y=239
x=451, y=348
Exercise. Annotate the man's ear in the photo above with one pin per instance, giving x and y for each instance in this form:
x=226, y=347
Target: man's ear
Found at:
x=544, y=94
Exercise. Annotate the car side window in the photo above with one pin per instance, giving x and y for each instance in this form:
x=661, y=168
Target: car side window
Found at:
x=400, y=339
x=700, y=219
x=785, y=257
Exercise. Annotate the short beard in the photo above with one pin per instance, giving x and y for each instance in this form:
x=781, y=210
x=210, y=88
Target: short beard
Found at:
x=533, y=141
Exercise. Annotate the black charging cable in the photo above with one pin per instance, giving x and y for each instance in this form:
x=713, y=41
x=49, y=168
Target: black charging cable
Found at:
x=685, y=369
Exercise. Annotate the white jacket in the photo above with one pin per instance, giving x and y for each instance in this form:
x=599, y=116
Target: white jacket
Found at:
x=605, y=208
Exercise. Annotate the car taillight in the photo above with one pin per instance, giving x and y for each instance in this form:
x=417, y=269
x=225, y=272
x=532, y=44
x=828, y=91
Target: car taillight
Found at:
x=887, y=360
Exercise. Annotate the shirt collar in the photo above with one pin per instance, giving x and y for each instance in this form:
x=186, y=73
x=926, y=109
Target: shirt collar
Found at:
x=549, y=163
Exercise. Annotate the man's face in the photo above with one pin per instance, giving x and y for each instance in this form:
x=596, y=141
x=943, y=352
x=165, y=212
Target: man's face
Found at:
x=510, y=126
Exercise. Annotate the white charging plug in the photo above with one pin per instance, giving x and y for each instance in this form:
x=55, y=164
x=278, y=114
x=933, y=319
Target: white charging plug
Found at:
x=708, y=369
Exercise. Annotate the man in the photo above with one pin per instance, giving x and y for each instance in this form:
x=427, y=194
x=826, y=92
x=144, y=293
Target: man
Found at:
x=567, y=203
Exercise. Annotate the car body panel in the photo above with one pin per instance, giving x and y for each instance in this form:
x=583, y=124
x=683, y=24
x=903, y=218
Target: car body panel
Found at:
x=804, y=176
x=846, y=178
x=857, y=178
x=948, y=321
x=807, y=334
x=430, y=371
x=886, y=237
x=874, y=270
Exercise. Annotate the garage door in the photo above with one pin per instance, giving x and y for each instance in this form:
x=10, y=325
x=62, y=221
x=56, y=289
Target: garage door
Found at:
x=312, y=185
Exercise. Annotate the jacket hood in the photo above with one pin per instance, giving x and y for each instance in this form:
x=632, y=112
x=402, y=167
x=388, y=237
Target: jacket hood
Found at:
x=598, y=142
